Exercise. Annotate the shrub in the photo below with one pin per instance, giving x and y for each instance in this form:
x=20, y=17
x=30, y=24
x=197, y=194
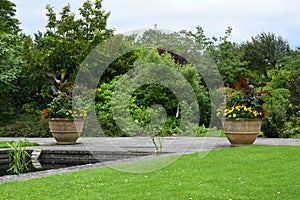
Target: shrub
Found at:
x=202, y=131
x=291, y=130
x=24, y=125
x=104, y=111
x=274, y=124
x=148, y=95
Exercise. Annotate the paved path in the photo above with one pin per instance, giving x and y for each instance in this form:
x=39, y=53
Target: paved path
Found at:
x=174, y=145
x=170, y=144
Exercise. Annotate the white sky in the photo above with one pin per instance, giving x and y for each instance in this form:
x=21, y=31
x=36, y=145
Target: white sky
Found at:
x=246, y=17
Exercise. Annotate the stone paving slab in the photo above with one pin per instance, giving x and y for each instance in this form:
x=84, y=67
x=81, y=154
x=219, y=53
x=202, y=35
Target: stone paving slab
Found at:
x=170, y=144
x=173, y=145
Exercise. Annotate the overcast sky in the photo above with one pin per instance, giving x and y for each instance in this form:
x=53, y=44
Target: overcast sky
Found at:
x=246, y=17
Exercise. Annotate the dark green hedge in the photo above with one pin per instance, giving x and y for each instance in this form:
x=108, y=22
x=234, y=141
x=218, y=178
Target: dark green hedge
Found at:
x=23, y=125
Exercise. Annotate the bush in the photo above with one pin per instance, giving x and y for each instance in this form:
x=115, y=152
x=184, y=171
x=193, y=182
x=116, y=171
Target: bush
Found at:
x=291, y=131
x=277, y=105
x=202, y=131
x=273, y=125
x=24, y=125
x=144, y=97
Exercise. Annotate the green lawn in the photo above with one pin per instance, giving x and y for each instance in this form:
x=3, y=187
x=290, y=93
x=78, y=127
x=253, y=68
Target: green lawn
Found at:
x=3, y=144
x=250, y=172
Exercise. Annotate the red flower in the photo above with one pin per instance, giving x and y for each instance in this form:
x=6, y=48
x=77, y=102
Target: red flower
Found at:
x=45, y=114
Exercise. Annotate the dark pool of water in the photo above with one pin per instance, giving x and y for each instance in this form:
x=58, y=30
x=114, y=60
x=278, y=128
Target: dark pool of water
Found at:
x=54, y=159
x=4, y=168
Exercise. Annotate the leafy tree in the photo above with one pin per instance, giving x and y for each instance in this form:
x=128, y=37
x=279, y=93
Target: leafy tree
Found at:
x=151, y=94
x=8, y=22
x=285, y=69
x=10, y=62
x=290, y=67
x=64, y=45
x=263, y=52
x=160, y=49
x=226, y=54
x=283, y=118
x=10, y=70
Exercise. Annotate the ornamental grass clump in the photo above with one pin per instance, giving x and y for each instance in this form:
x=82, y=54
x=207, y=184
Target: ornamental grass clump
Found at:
x=244, y=101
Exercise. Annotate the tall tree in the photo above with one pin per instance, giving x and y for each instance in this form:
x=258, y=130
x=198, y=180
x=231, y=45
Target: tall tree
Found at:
x=10, y=70
x=263, y=52
x=8, y=22
x=64, y=45
x=226, y=54
x=10, y=61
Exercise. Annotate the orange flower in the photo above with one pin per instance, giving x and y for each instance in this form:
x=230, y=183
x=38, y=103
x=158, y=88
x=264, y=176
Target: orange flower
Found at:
x=45, y=114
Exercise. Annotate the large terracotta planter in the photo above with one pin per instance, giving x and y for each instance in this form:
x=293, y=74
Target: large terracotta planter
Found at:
x=241, y=131
x=66, y=131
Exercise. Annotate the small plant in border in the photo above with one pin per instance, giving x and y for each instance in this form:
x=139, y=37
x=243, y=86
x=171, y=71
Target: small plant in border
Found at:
x=243, y=101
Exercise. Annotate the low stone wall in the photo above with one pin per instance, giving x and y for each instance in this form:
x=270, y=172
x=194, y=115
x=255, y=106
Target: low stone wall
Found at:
x=4, y=157
x=84, y=157
x=64, y=158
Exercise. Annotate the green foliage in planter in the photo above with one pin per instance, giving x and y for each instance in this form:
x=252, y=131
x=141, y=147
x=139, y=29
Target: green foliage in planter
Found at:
x=24, y=125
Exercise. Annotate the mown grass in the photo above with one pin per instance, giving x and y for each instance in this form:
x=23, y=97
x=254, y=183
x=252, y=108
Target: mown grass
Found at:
x=250, y=172
x=4, y=144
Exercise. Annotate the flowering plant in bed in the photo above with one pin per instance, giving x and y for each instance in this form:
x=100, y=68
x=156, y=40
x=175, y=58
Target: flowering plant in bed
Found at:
x=243, y=113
